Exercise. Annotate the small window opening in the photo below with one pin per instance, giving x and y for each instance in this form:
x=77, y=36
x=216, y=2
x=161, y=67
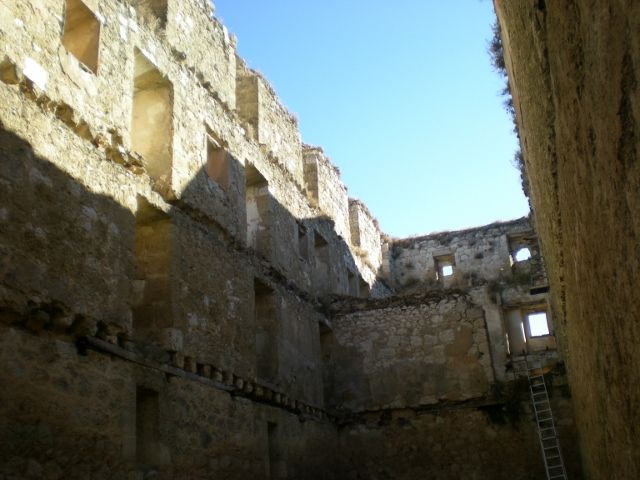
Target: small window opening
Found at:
x=266, y=322
x=538, y=324
x=447, y=270
x=444, y=266
x=81, y=33
x=522, y=254
x=217, y=161
x=147, y=426
x=152, y=12
x=152, y=114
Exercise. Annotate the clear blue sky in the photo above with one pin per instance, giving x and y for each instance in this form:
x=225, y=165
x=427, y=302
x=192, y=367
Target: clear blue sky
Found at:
x=402, y=97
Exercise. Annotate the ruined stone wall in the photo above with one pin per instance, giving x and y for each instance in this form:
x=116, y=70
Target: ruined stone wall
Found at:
x=476, y=254
x=72, y=415
x=169, y=251
x=573, y=70
x=407, y=355
x=147, y=260
x=414, y=377
x=365, y=234
x=484, y=262
x=453, y=443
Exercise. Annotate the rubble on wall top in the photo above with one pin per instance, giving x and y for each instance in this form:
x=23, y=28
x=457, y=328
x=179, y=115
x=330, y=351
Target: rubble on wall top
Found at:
x=359, y=203
x=248, y=71
x=340, y=305
x=313, y=149
x=447, y=234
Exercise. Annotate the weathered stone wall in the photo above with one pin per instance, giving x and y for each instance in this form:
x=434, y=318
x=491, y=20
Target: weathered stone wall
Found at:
x=365, y=234
x=326, y=190
x=73, y=416
x=154, y=266
x=483, y=262
x=477, y=254
x=406, y=355
x=169, y=251
x=274, y=128
x=453, y=443
x=573, y=70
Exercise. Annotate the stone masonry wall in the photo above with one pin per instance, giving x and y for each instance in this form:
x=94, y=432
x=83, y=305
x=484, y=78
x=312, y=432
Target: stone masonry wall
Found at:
x=573, y=71
x=169, y=254
x=451, y=444
x=409, y=355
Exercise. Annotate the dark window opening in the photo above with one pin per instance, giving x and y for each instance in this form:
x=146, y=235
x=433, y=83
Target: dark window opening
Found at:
x=363, y=288
x=303, y=242
x=218, y=163
x=277, y=465
x=151, y=286
x=352, y=283
x=266, y=321
x=147, y=426
x=321, y=269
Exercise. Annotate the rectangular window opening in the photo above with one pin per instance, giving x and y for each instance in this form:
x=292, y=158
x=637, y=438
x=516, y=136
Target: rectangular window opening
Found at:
x=277, y=467
x=218, y=161
x=258, y=208
x=151, y=286
x=321, y=267
x=147, y=430
x=363, y=288
x=151, y=12
x=266, y=321
x=81, y=33
x=152, y=117
x=538, y=324
x=445, y=266
x=303, y=242
x=352, y=283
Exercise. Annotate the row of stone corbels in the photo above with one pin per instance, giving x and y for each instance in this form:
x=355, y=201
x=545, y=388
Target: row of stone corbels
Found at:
x=243, y=387
x=115, y=338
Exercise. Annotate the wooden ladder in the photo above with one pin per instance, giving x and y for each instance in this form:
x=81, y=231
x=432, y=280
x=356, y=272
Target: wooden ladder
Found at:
x=549, y=441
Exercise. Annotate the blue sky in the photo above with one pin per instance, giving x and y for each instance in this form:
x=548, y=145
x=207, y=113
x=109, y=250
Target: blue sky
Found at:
x=402, y=97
